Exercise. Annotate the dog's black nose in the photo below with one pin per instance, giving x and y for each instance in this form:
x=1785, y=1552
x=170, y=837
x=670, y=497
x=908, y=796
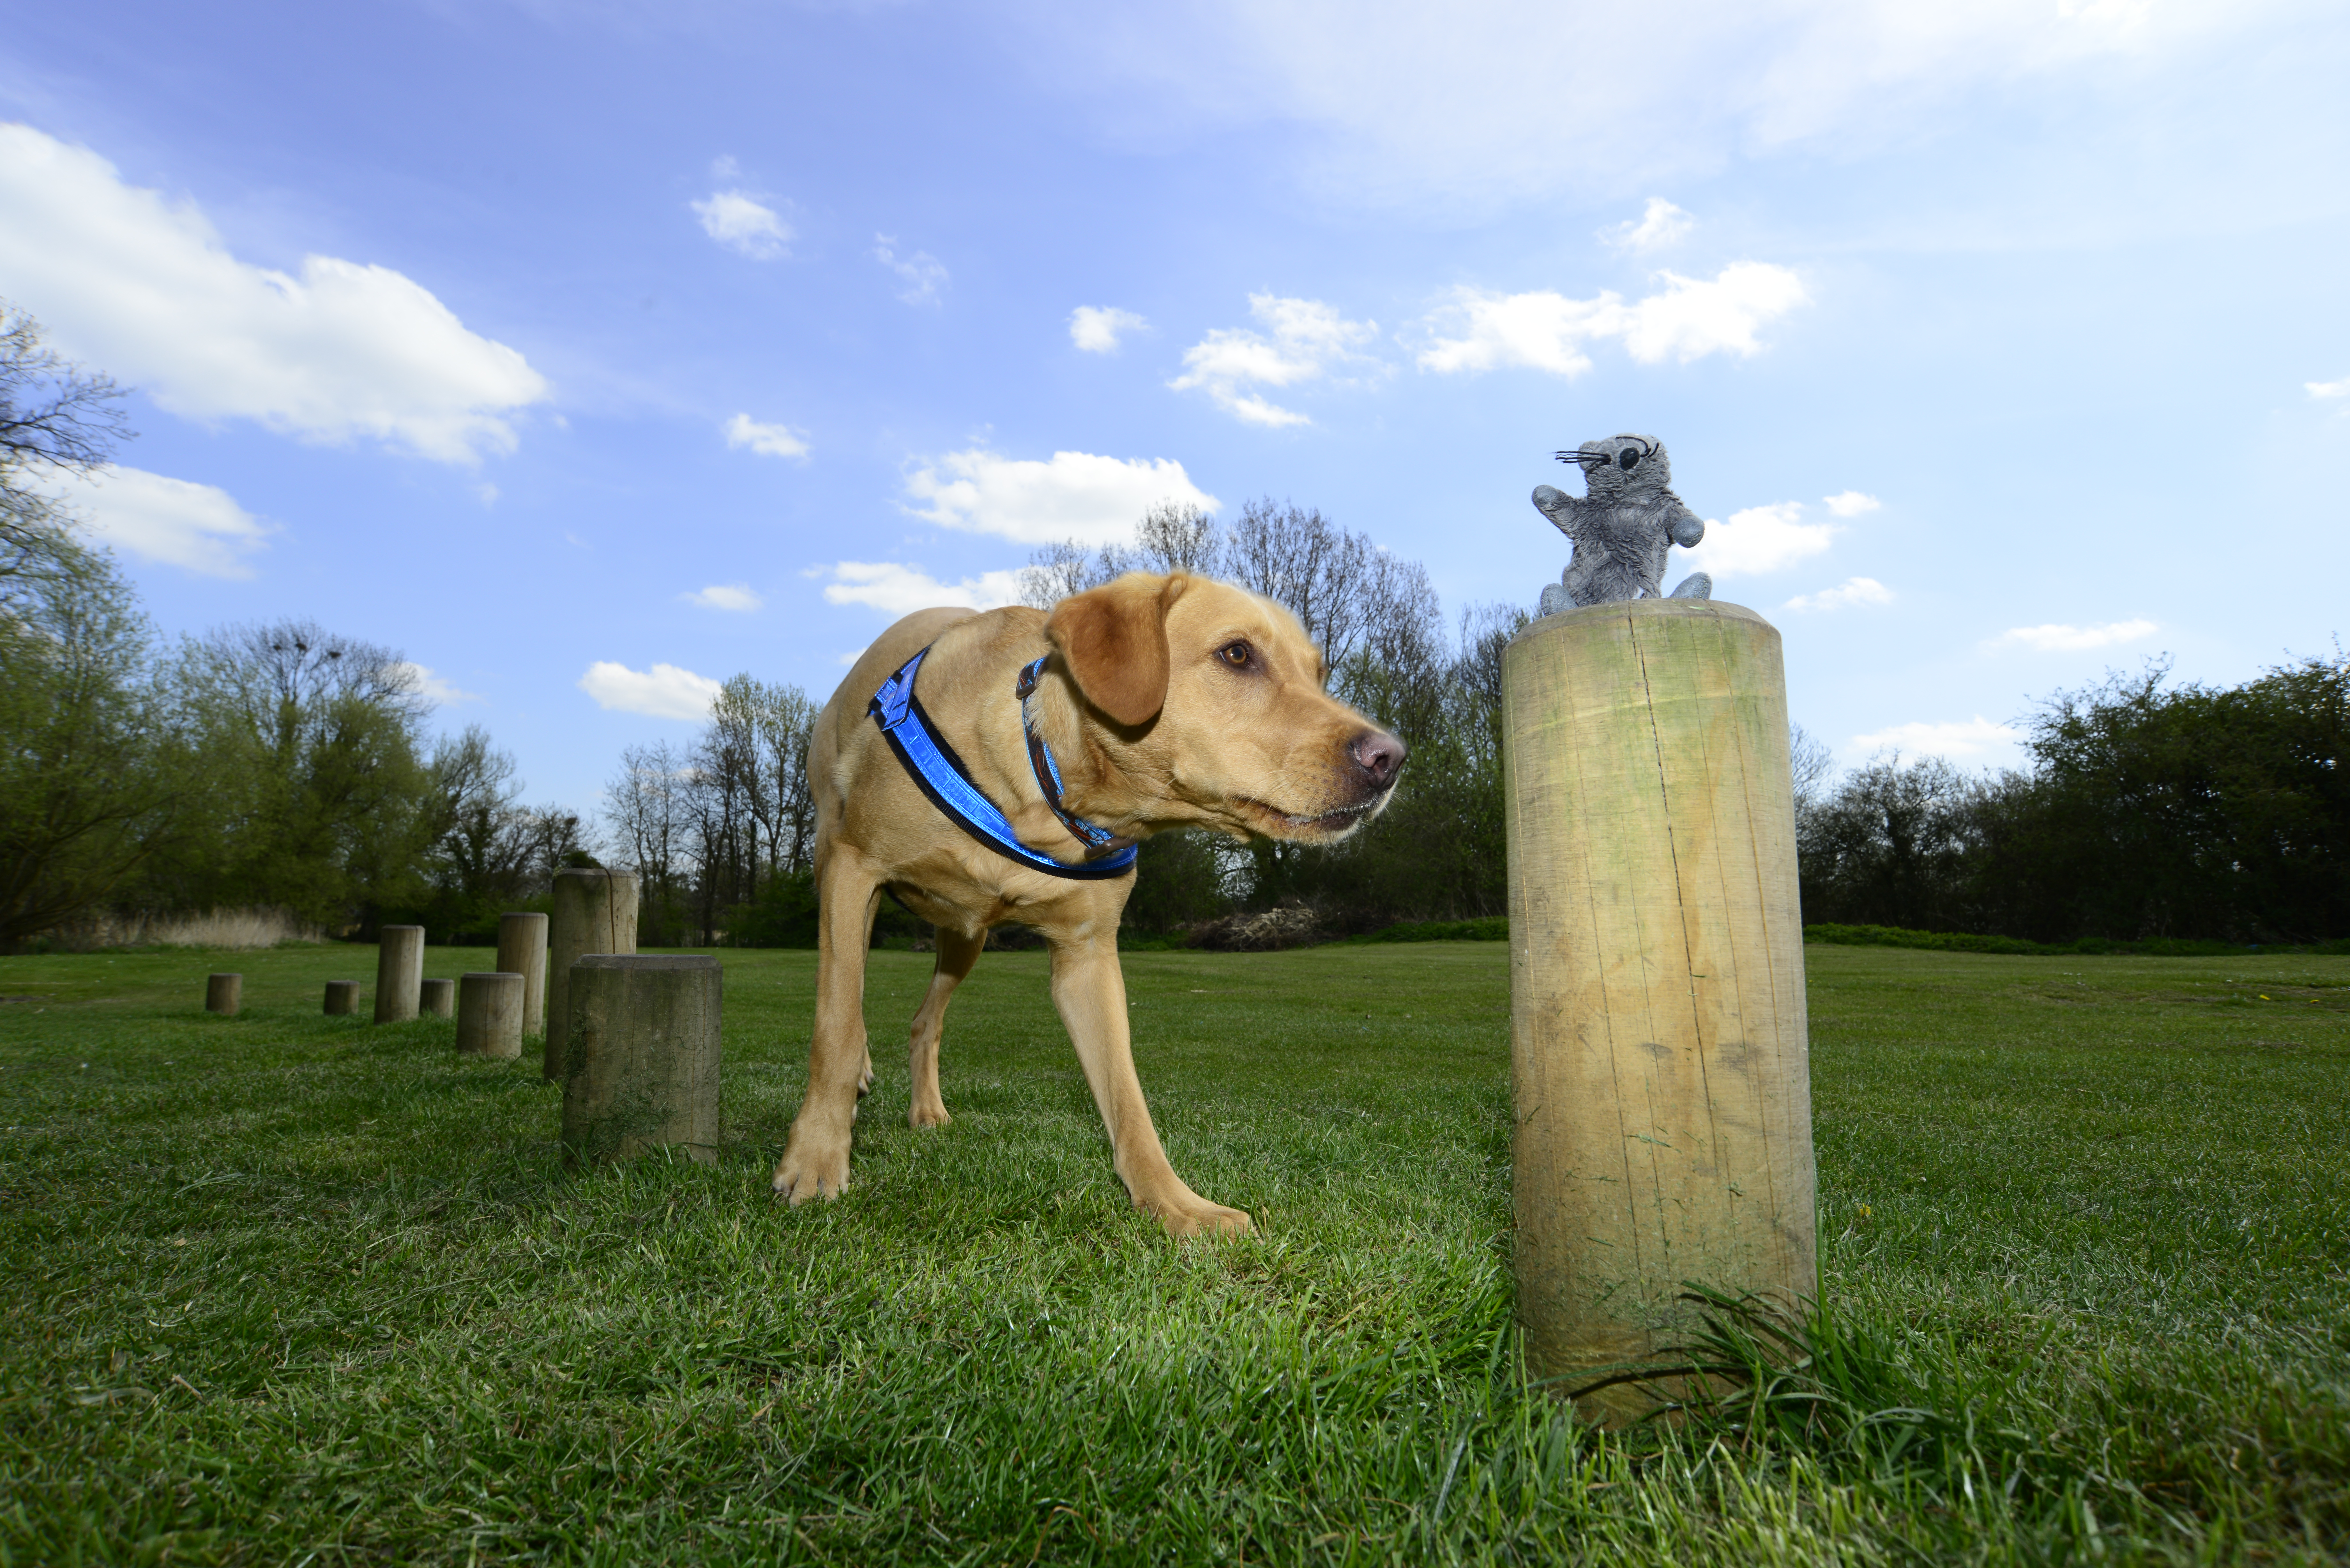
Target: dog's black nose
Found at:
x=1378, y=754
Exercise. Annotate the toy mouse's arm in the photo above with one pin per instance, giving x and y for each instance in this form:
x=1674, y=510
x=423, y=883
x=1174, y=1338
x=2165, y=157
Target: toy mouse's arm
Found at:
x=1558, y=506
x=1686, y=527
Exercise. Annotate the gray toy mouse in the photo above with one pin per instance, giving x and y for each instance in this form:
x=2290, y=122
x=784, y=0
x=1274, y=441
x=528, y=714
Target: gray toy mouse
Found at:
x=1622, y=525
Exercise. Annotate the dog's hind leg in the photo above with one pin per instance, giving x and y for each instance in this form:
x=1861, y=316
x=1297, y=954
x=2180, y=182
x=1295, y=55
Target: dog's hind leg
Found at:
x=957, y=953
x=816, y=1160
x=1090, y=992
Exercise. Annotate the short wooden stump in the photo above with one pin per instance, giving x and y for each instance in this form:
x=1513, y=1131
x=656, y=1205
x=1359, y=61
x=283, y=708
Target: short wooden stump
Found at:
x=640, y=1057
x=342, y=997
x=222, y=993
x=489, y=1014
x=437, y=998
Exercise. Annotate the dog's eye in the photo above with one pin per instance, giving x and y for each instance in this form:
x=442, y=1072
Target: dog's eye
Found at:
x=1236, y=654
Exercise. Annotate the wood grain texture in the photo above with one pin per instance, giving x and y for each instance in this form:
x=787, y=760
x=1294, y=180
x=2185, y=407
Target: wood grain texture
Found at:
x=399, y=973
x=641, y=1057
x=490, y=1013
x=1658, y=1039
x=595, y=912
x=522, y=950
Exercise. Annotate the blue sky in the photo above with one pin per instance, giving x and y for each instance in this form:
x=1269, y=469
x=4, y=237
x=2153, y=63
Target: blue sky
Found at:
x=592, y=353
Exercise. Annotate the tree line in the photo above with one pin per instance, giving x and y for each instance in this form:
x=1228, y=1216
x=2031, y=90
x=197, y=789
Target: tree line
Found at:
x=2149, y=811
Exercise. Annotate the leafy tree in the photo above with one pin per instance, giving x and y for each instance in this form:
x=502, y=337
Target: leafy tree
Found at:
x=316, y=793
x=83, y=796
x=1895, y=845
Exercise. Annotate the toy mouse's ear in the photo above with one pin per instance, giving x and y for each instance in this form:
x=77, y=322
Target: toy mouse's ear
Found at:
x=1114, y=639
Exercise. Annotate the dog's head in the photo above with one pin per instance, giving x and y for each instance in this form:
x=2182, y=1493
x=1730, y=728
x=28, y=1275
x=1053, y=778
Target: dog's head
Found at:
x=1210, y=698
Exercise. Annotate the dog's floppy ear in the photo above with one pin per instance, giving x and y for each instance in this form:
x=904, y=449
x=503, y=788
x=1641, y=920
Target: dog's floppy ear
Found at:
x=1114, y=639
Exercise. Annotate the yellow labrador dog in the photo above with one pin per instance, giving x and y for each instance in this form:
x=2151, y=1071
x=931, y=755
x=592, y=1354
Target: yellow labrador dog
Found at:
x=1150, y=703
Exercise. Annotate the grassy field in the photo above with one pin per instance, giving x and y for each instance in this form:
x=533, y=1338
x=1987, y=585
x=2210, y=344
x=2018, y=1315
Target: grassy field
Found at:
x=288, y=1288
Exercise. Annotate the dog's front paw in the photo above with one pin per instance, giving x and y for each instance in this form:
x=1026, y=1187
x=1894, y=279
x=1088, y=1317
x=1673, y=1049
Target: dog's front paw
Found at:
x=1196, y=1216
x=812, y=1168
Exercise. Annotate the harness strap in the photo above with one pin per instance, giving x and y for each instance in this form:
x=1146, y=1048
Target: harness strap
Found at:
x=1048, y=771
x=933, y=766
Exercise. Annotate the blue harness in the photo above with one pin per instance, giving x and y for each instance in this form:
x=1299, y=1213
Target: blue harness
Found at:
x=941, y=776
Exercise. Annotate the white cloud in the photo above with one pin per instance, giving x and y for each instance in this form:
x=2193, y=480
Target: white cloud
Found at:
x=1965, y=738
x=146, y=290
x=1852, y=504
x=1544, y=330
x=1307, y=340
x=1095, y=329
x=664, y=692
x=899, y=590
x=922, y=273
x=1076, y=495
x=433, y=688
x=768, y=441
x=736, y=597
x=181, y=523
x=1852, y=591
x=2072, y=638
x=1660, y=227
x=740, y=223
x=1760, y=539
x=2340, y=388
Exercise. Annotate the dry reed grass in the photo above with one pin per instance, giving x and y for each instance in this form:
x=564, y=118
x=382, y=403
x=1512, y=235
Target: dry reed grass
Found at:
x=258, y=926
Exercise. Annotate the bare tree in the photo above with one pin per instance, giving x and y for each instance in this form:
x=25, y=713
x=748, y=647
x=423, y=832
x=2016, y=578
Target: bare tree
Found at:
x=642, y=806
x=1815, y=765
x=55, y=418
x=786, y=731
x=1176, y=537
x=1173, y=537
x=1056, y=571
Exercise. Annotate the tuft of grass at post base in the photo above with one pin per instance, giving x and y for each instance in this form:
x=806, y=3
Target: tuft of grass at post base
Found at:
x=285, y=1288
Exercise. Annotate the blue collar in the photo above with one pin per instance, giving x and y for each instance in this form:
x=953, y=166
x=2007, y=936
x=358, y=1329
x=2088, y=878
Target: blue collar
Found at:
x=941, y=776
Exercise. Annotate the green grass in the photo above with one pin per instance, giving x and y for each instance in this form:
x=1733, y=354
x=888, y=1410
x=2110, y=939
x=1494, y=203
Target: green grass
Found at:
x=287, y=1288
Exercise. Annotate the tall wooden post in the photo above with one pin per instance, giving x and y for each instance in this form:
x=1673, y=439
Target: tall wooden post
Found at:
x=399, y=973
x=595, y=912
x=1658, y=1028
x=641, y=1058
x=522, y=950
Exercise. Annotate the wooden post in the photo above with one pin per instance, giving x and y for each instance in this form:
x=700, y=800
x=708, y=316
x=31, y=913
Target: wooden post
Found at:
x=399, y=973
x=490, y=1014
x=222, y=993
x=437, y=998
x=595, y=912
x=342, y=997
x=1657, y=1027
x=641, y=1057
x=522, y=950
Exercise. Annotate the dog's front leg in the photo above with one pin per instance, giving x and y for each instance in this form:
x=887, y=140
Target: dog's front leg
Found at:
x=1090, y=989
x=958, y=951
x=816, y=1160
